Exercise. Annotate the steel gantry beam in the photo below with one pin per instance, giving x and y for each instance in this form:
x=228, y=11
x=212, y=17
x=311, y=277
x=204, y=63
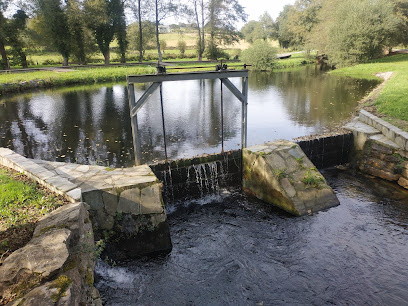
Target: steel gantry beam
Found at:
x=158, y=79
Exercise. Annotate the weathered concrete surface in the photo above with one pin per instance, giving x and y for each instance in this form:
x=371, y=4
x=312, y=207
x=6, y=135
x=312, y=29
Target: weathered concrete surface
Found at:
x=110, y=194
x=383, y=154
x=61, y=249
x=280, y=173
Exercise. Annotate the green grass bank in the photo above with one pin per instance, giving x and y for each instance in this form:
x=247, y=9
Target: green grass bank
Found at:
x=22, y=203
x=392, y=102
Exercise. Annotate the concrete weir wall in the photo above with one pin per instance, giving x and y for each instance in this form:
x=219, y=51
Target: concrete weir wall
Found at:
x=194, y=177
x=328, y=151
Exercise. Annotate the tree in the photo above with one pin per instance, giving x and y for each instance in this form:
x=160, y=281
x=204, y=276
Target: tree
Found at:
x=4, y=64
x=56, y=24
x=261, y=55
x=163, y=9
x=263, y=29
x=148, y=34
x=198, y=12
x=14, y=31
x=119, y=26
x=353, y=32
x=99, y=19
x=76, y=25
x=222, y=18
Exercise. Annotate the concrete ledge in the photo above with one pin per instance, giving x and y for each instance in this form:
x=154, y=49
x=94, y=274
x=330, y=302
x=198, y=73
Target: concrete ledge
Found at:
x=40, y=174
x=387, y=129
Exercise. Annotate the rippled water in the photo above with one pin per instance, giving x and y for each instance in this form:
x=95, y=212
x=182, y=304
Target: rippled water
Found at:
x=234, y=250
x=91, y=124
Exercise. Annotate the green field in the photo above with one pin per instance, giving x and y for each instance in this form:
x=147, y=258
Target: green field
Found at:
x=393, y=100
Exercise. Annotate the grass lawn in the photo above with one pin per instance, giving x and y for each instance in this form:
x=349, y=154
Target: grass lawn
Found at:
x=22, y=203
x=76, y=76
x=393, y=100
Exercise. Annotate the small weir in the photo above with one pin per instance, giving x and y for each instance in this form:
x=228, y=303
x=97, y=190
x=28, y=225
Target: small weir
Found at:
x=199, y=176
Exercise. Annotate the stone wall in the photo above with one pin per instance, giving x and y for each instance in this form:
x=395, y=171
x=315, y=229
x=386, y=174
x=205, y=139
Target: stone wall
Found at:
x=381, y=149
x=57, y=266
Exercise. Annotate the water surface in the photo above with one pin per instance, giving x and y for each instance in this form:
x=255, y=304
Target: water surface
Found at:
x=234, y=250
x=90, y=124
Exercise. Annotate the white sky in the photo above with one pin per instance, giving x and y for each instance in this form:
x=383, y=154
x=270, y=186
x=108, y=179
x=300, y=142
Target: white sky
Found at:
x=255, y=8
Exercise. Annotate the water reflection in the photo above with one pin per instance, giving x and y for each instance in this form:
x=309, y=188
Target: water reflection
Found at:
x=90, y=124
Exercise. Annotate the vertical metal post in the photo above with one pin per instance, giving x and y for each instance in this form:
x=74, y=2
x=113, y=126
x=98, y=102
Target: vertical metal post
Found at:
x=244, y=134
x=222, y=119
x=135, y=128
x=164, y=127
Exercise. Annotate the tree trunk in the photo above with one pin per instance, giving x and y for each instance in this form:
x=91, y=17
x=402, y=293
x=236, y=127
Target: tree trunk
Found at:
x=23, y=58
x=200, y=46
x=4, y=55
x=157, y=34
x=202, y=27
x=65, y=61
x=106, y=55
x=140, y=33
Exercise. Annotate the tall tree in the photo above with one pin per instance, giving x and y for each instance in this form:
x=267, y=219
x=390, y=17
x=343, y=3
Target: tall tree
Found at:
x=351, y=32
x=162, y=10
x=198, y=13
x=99, y=19
x=4, y=64
x=119, y=26
x=15, y=29
x=56, y=24
x=76, y=25
x=222, y=18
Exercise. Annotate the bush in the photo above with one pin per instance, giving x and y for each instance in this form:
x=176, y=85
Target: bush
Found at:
x=181, y=46
x=212, y=52
x=261, y=55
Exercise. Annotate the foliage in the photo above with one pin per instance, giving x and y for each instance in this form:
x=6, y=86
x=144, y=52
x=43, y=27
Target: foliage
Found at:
x=312, y=178
x=181, y=45
x=56, y=26
x=353, y=32
x=263, y=29
x=163, y=44
x=261, y=55
x=147, y=36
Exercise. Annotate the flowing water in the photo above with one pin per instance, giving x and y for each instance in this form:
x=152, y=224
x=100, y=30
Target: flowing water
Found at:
x=90, y=124
x=232, y=250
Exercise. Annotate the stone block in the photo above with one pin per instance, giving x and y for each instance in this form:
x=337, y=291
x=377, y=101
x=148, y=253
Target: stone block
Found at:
x=151, y=201
x=129, y=201
x=110, y=200
x=286, y=178
x=41, y=258
x=93, y=199
x=403, y=182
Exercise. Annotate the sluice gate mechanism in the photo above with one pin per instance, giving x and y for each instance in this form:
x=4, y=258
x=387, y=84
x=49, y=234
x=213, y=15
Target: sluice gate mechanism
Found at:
x=157, y=80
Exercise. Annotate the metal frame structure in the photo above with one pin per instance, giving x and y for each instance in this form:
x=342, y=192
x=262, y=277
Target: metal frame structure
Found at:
x=158, y=79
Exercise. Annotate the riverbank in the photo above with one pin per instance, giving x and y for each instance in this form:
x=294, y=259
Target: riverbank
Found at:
x=391, y=103
x=22, y=203
x=68, y=76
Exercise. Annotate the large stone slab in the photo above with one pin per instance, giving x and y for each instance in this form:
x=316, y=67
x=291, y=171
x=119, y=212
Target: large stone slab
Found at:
x=281, y=174
x=361, y=132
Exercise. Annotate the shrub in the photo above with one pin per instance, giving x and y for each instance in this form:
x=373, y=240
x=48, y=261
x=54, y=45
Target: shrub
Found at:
x=261, y=55
x=181, y=46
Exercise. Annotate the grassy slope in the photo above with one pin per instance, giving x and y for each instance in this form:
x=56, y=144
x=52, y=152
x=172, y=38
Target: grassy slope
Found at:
x=22, y=203
x=393, y=100
x=76, y=76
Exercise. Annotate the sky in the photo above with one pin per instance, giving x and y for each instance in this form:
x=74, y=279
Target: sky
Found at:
x=255, y=8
